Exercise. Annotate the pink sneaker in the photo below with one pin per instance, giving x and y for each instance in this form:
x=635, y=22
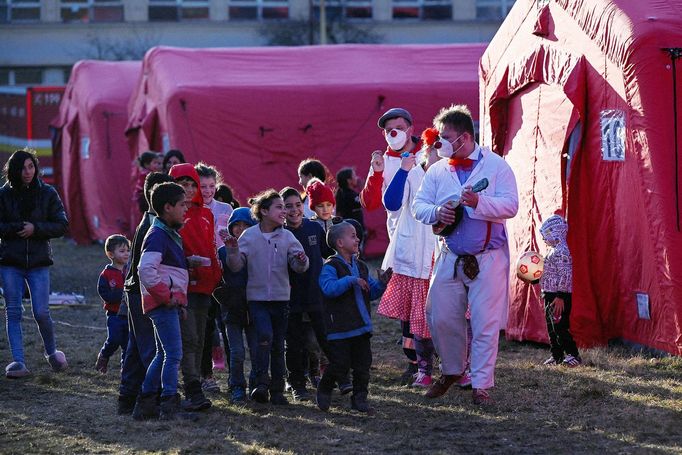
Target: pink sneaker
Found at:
x=465, y=381
x=422, y=380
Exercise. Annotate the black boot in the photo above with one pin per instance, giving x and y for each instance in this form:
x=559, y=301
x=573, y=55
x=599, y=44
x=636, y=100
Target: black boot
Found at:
x=170, y=409
x=359, y=402
x=196, y=400
x=146, y=407
x=126, y=404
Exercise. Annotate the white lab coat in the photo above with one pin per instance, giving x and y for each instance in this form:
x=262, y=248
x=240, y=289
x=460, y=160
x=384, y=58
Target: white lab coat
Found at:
x=487, y=295
x=410, y=250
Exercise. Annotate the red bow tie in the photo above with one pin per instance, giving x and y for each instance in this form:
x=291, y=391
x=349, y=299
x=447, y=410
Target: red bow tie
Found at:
x=464, y=163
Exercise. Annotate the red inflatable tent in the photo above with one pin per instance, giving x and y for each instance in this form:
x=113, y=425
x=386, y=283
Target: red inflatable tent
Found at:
x=583, y=98
x=92, y=161
x=255, y=113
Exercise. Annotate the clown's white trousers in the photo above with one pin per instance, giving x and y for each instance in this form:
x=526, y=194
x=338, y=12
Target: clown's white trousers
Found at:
x=447, y=305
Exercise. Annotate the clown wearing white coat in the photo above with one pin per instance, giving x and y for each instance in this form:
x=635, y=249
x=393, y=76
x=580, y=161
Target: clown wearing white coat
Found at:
x=480, y=238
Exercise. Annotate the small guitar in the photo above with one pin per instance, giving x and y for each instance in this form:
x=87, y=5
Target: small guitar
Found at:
x=443, y=229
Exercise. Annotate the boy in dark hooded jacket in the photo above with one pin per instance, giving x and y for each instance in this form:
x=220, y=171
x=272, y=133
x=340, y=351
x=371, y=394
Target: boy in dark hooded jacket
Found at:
x=198, y=242
x=235, y=310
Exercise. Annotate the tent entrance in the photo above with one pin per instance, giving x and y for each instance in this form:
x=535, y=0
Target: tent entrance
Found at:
x=541, y=180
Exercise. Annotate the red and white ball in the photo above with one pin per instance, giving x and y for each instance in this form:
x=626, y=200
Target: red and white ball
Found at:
x=530, y=265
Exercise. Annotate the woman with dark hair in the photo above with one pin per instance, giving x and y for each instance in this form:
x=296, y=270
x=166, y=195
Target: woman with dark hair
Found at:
x=171, y=158
x=31, y=214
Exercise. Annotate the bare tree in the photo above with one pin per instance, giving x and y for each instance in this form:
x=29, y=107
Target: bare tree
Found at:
x=133, y=47
x=298, y=32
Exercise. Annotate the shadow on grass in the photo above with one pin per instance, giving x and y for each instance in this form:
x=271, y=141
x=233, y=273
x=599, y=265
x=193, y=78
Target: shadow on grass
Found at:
x=614, y=404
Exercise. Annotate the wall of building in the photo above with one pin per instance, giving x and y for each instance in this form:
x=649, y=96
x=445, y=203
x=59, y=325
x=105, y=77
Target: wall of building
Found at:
x=48, y=47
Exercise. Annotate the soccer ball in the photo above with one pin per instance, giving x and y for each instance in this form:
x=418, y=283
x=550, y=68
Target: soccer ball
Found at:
x=530, y=265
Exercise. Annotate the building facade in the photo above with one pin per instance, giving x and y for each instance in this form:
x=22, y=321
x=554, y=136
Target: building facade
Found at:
x=41, y=40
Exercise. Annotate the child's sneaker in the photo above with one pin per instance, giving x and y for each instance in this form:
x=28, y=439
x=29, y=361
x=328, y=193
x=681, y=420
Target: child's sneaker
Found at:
x=465, y=381
x=218, y=357
x=210, y=385
x=423, y=380
x=346, y=387
x=16, y=370
x=260, y=394
x=324, y=400
x=238, y=395
x=278, y=399
x=572, y=361
x=102, y=363
x=551, y=362
x=301, y=394
x=315, y=381
x=57, y=361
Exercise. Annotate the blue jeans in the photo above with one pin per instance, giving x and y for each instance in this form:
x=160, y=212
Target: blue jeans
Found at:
x=270, y=320
x=38, y=280
x=163, y=371
x=235, y=335
x=141, y=347
x=117, y=336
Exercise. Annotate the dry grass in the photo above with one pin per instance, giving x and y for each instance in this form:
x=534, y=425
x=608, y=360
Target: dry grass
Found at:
x=616, y=403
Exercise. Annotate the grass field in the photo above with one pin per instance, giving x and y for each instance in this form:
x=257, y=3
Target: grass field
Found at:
x=616, y=403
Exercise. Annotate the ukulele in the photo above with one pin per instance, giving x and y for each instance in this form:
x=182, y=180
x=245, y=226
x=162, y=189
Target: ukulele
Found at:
x=443, y=229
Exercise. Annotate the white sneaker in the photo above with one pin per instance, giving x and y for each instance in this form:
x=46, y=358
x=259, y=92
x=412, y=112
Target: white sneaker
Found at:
x=16, y=370
x=57, y=361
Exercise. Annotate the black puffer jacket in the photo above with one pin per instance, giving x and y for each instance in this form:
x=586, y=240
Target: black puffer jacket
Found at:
x=47, y=216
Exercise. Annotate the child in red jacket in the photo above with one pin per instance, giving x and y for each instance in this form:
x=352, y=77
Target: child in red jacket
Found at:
x=110, y=289
x=198, y=242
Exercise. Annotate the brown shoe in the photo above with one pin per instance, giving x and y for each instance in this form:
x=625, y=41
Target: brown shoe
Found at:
x=439, y=387
x=481, y=397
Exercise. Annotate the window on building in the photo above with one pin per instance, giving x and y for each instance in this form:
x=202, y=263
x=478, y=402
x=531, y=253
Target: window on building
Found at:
x=21, y=76
x=258, y=9
x=19, y=11
x=345, y=9
x=178, y=10
x=92, y=11
x=4, y=76
x=422, y=9
x=493, y=9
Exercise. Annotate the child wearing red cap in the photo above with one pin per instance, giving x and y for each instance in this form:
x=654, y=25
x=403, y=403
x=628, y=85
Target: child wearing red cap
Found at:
x=321, y=200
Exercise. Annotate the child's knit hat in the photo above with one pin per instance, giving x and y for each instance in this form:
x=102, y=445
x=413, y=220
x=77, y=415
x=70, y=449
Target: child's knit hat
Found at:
x=554, y=230
x=318, y=193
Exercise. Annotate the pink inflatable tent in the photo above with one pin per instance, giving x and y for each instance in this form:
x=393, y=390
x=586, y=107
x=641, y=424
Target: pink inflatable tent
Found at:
x=255, y=113
x=584, y=99
x=92, y=161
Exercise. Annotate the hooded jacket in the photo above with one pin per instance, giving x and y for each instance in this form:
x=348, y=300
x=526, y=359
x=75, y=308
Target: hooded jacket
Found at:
x=198, y=236
x=235, y=279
